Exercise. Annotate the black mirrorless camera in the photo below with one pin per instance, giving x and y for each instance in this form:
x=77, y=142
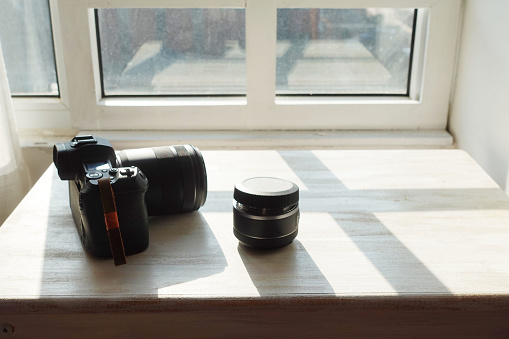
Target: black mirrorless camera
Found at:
x=145, y=182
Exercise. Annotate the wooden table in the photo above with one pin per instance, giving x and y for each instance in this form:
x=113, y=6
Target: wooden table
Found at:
x=410, y=243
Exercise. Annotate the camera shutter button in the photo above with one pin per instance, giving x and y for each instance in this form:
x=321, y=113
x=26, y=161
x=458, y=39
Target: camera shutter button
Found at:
x=128, y=172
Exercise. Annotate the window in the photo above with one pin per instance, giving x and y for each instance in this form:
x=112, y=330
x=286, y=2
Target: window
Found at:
x=27, y=47
x=344, y=51
x=254, y=64
x=154, y=51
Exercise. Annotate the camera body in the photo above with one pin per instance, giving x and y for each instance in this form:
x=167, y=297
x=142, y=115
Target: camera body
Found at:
x=178, y=183
x=85, y=160
x=129, y=186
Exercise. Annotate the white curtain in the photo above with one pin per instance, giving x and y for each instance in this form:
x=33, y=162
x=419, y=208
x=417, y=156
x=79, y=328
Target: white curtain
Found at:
x=14, y=178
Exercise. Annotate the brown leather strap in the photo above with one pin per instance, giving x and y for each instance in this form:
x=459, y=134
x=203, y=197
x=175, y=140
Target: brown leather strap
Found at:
x=111, y=220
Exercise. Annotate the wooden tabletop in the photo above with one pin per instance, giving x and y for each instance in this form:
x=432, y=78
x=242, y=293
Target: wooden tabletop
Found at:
x=405, y=229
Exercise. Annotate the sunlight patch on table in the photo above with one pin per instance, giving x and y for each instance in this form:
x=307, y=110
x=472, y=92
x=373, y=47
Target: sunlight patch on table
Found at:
x=453, y=243
x=29, y=233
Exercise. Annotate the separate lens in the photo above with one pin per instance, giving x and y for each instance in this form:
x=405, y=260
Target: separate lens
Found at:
x=265, y=212
x=176, y=174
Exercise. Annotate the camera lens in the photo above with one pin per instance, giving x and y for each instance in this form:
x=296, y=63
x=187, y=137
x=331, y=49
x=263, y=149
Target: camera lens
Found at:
x=265, y=212
x=176, y=174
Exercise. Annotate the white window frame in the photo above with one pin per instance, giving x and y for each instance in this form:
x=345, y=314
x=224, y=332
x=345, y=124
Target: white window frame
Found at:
x=82, y=107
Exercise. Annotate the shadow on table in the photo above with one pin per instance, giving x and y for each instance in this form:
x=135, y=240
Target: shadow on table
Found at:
x=395, y=262
x=182, y=248
x=283, y=271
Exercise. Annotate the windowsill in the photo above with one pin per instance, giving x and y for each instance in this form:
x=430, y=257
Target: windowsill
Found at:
x=252, y=139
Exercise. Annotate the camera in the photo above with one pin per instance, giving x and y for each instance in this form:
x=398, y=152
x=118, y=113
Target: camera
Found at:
x=145, y=182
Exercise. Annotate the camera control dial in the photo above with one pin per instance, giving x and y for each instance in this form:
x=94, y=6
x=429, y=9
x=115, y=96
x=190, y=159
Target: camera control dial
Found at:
x=94, y=175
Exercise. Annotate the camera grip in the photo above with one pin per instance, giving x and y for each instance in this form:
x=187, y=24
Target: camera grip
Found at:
x=89, y=218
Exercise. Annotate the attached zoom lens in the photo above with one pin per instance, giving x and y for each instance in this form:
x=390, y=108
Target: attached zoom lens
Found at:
x=176, y=175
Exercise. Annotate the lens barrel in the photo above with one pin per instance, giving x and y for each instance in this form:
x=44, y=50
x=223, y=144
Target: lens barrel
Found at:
x=176, y=174
x=265, y=212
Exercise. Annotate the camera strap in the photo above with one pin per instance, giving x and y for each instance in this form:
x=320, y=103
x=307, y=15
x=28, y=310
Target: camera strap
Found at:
x=111, y=220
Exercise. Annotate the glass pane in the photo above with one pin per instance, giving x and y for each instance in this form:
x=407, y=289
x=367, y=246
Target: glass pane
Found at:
x=344, y=51
x=172, y=51
x=27, y=47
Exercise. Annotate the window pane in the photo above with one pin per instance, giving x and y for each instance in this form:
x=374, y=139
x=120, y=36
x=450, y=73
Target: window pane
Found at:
x=172, y=51
x=27, y=47
x=344, y=51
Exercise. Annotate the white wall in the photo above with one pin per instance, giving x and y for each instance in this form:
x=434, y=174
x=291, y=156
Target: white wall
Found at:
x=479, y=118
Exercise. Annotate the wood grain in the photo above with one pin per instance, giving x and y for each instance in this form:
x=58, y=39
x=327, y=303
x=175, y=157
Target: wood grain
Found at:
x=390, y=242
